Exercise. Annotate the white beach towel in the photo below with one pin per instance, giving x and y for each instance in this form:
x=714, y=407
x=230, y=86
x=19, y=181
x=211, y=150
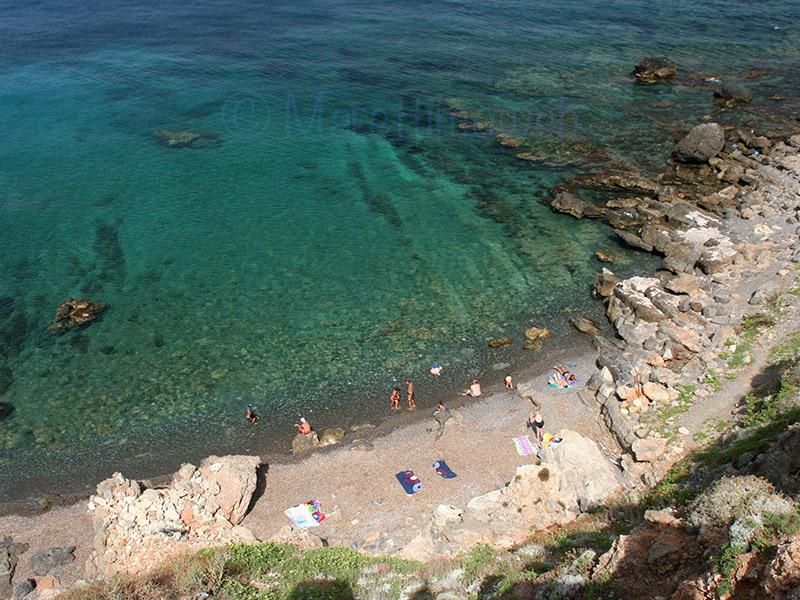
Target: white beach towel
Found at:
x=301, y=516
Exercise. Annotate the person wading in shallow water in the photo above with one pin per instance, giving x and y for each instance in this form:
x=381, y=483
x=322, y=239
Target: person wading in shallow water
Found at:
x=410, y=393
x=251, y=416
x=394, y=399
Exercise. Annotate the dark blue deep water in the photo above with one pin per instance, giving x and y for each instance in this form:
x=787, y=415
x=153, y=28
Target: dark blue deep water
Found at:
x=332, y=230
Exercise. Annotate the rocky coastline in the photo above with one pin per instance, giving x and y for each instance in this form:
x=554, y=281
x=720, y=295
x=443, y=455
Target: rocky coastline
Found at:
x=725, y=218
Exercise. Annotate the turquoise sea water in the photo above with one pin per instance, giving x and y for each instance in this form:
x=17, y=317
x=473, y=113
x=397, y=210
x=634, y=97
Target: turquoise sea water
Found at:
x=336, y=231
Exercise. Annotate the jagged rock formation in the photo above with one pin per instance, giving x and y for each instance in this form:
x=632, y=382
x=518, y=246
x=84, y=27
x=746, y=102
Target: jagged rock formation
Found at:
x=654, y=69
x=74, y=313
x=138, y=528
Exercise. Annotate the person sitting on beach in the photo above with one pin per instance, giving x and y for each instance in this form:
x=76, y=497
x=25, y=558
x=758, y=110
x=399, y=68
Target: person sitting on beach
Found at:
x=509, y=382
x=474, y=390
x=303, y=427
x=436, y=369
x=251, y=415
x=394, y=399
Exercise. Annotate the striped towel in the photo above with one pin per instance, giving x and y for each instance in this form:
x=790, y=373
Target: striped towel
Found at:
x=524, y=446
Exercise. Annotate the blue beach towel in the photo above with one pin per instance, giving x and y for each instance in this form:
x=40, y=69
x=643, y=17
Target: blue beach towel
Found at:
x=410, y=482
x=442, y=469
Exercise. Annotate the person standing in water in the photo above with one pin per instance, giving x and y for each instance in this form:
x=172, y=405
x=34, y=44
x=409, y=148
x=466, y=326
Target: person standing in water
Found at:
x=394, y=399
x=410, y=393
x=509, y=382
x=251, y=415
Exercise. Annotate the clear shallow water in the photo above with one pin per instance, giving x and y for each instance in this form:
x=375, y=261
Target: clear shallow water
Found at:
x=340, y=232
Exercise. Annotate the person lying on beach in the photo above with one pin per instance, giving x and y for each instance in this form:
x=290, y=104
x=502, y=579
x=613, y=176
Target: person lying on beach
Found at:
x=410, y=393
x=562, y=378
x=251, y=415
x=303, y=427
x=474, y=389
x=509, y=382
x=394, y=399
x=442, y=414
x=436, y=369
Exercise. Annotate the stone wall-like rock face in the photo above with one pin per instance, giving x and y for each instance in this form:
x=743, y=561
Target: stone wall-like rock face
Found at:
x=572, y=478
x=137, y=528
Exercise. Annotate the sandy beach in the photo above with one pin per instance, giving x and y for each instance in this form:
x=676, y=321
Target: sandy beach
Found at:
x=355, y=483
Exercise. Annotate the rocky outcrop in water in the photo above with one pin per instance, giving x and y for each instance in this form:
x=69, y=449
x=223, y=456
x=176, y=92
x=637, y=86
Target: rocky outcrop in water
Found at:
x=75, y=313
x=701, y=144
x=672, y=327
x=730, y=96
x=138, y=528
x=654, y=69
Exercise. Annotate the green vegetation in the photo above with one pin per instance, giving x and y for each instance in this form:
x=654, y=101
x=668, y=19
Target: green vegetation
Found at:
x=261, y=572
x=666, y=413
x=713, y=381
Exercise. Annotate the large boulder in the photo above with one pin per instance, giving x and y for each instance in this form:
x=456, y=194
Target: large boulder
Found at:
x=75, y=313
x=587, y=477
x=236, y=478
x=654, y=69
x=9, y=557
x=701, y=144
x=303, y=444
x=138, y=528
x=48, y=561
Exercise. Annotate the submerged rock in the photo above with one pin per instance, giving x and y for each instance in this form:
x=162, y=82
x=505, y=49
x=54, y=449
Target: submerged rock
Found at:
x=507, y=140
x=5, y=410
x=730, y=96
x=74, y=313
x=654, y=69
x=500, y=342
x=570, y=204
x=701, y=144
x=178, y=138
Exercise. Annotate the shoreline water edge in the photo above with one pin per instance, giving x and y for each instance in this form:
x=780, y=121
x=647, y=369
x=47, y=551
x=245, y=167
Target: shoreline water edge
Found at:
x=724, y=219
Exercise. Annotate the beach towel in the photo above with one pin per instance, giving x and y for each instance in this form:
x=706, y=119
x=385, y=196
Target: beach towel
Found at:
x=308, y=514
x=410, y=482
x=524, y=446
x=442, y=469
x=550, y=440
